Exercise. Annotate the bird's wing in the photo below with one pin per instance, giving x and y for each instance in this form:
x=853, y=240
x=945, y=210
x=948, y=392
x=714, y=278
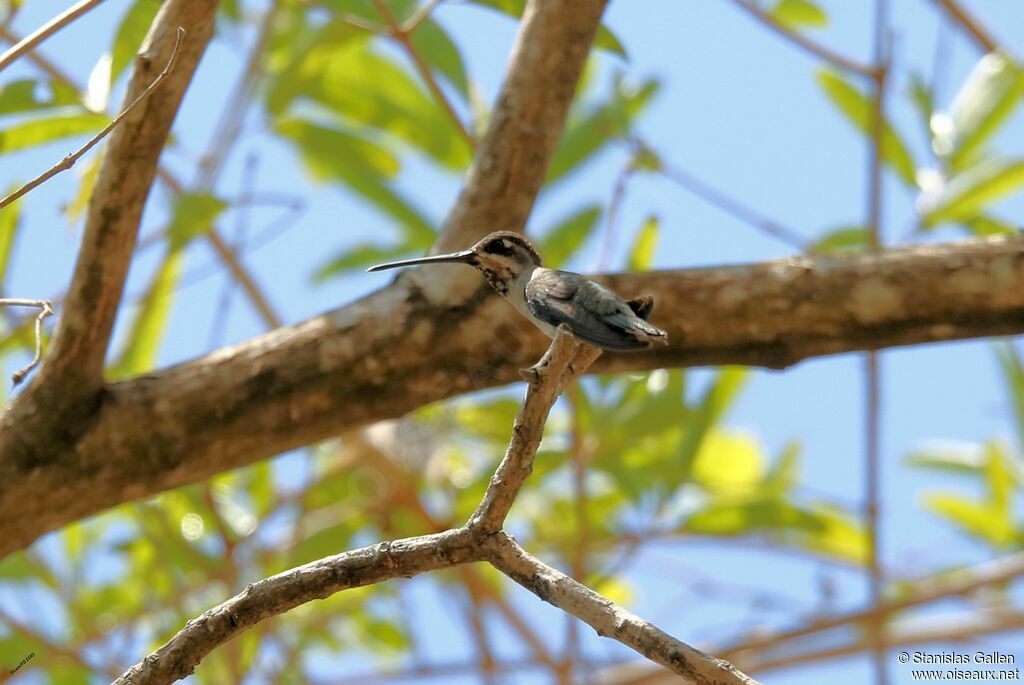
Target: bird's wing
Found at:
x=591, y=312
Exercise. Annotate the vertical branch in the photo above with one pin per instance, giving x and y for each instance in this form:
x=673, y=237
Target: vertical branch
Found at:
x=75, y=363
x=872, y=372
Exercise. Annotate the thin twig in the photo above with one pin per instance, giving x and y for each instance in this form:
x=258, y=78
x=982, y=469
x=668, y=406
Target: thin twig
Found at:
x=728, y=204
x=51, y=27
x=45, y=309
x=403, y=37
x=69, y=160
x=803, y=41
x=969, y=24
x=420, y=15
x=872, y=372
x=544, y=381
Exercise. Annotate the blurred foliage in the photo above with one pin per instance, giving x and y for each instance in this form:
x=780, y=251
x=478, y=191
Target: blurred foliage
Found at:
x=662, y=460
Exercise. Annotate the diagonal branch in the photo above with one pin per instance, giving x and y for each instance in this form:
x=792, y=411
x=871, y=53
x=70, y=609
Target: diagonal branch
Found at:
x=970, y=25
x=69, y=160
x=67, y=389
x=545, y=381
x=802, y=41
x=607, y=618
x=278, y=594
x=45, y=31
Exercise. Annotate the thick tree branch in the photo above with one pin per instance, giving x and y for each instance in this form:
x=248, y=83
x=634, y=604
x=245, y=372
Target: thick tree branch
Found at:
x=393, y=351
x=75, y=361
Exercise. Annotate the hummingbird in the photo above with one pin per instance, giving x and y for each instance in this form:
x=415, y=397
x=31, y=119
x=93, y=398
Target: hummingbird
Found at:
x=548, y=297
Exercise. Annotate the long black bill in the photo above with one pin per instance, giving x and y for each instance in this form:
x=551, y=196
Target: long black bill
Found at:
x=464, y=257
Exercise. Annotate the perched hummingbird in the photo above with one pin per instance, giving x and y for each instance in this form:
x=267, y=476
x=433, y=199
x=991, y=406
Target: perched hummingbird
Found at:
x=548, y=297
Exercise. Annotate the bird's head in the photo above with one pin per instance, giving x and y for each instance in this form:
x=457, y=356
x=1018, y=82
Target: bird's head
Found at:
x=501, y=256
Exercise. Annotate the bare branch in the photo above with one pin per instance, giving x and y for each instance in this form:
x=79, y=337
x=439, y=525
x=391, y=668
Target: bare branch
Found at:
x=403, y=37
x=802, y=41
x=542, y=389
x=45, y=31
x=607, y=618
x=278, y=594
x=45, y=310
x=76, y=359
x=970, y=25
x=479, y=539
x=69, y=160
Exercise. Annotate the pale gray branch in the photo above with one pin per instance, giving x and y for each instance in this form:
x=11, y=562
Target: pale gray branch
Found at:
x=608, y=618
x=481, y=538
x=45, y=309
x=45, y=31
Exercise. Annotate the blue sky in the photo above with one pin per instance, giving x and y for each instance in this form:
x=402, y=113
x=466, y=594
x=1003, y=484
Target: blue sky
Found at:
x=741, y=109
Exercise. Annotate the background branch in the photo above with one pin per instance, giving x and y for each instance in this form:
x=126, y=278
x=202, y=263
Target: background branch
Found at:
x=69, y=160
x=45, y=31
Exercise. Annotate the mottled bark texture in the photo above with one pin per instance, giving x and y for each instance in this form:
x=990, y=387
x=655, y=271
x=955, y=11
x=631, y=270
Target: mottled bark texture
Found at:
x=393, y=351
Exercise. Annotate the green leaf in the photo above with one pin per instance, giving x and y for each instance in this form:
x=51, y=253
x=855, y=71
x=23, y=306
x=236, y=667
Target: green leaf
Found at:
x=28, y=95
x=130, y=34
x=563, y=240
x=989, y=95
x=587, y=134
x=819, y=528
x=642, y=255
x=369, y=90
x=147, y=330
x=842, y=239
x=728, y=463
x=433, y=44
x=194, y=214
x=985, y=226
x=10, y=219
x=957, y=458
x=982, y=521
x=48, y=129
x=358, y=257
x=718, y=397
x=798, y=14
x=363, y=167
x=859, y=110
x=969, y=193
x=785, y=471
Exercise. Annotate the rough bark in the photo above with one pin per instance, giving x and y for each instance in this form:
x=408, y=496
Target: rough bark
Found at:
x=39, y=429
x=393, y=351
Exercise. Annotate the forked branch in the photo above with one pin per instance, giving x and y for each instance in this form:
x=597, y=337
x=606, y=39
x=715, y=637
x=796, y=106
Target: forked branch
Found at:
x=481, y=539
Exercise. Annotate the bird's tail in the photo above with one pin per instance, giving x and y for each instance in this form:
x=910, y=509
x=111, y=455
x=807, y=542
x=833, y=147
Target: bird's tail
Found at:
x=642, y=308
